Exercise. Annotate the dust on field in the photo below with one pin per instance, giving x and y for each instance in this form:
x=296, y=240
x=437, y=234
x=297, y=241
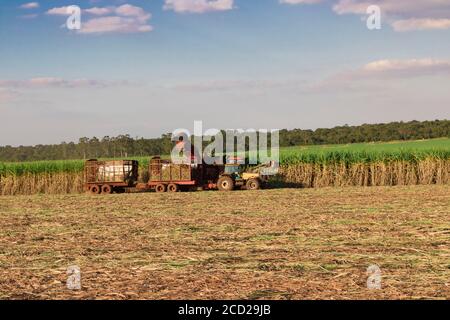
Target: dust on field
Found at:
x=271, y=244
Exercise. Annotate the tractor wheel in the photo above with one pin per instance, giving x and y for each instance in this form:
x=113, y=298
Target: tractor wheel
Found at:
x=253, y=184
x=95, y=189
x=106, y=189
x=225, y=183
x=160, y=188
x=172, y=187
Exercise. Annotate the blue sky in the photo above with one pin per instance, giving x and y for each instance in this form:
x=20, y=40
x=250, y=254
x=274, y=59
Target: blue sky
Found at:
x=146, y=67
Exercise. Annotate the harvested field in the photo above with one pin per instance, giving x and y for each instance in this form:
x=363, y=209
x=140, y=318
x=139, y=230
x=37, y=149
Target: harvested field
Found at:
x=271, y=244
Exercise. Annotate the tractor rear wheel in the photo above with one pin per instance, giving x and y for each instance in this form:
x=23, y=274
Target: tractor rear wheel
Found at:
x=253, y=184
x=172, y=187
x=160, y=188
x=106, y=189
x=225, y=183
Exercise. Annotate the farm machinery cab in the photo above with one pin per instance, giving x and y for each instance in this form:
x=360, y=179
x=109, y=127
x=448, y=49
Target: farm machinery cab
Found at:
x=234, y=176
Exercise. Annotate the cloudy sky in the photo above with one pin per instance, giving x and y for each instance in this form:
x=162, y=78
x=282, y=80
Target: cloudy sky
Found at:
x=145, y=67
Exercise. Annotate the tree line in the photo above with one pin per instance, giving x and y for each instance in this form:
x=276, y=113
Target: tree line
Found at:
x=124, y=146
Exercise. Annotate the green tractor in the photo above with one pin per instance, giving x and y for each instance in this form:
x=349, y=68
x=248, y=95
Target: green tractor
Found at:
x=235, y=176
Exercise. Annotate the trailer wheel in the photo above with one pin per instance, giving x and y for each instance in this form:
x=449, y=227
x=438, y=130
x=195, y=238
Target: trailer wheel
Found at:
x=225, y=183
x=106, y=189
x=172, y=187
x=253, y=184
x=160, y=188
x=94, y=189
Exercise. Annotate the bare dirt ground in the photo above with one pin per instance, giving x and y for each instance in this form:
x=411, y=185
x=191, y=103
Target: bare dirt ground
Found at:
x=272, y=244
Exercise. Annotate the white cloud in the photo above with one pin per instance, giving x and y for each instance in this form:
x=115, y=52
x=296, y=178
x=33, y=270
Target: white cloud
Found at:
x=30, y=5
x=421, y=24
x=382, y=70
x=406, y=8
x=403, y=15
x=127, y=19
x=99, y=11
x=122, y=19
x=59, y=11
x=371, y=75
x=411, y=67
x=128, y=10
x=198, y=6
x=115, y=24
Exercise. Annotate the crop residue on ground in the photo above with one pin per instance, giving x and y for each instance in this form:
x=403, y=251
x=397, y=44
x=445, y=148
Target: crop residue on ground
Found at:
x=271, y=244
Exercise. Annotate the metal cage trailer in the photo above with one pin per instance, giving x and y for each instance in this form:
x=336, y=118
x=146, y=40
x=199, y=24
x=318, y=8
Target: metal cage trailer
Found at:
x=110, y=176
x=172, y=177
